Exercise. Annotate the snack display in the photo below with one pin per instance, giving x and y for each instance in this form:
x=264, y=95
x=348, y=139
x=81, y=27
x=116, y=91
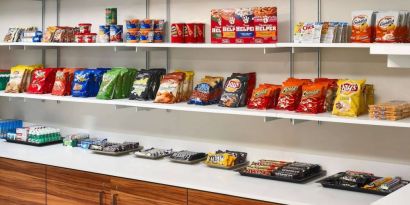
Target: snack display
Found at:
x=296, y=172
x=321, y=32
x=36, y=135
x=391, y=110
x=349, y=98
x=187, y=157
x=153, y=153
x=244, y=25
x=264, y=97
x=74, y=139
x=9, y=126
x=114, y=148
x=226, y=159
x=208, y=91
x=364, y=182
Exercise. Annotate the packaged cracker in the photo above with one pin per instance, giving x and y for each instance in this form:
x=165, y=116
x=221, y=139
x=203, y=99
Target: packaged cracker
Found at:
x=208, y=91
x=264, y=97
x=170, y=89
x=290, y=94
x=228, y=26
x=313, y=98
x=348, y=98
x=234, y=94
x=362, y=26
x=216, y=25
x=244, y=25
x=297, y=36
x=42, y=80
x=266, y=24
x=387, y=24
x=16, y=78
x=108, y=84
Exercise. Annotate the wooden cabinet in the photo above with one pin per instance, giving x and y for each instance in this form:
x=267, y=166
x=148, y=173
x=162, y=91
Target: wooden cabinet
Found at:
x=22, y=183
x=132, y=192
x=207, y=198
x=70, y=187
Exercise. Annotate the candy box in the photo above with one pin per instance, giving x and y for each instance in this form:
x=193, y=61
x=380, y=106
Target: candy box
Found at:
x=266, y=24
x=244, y=25
x=216, y=26
x=228, y=26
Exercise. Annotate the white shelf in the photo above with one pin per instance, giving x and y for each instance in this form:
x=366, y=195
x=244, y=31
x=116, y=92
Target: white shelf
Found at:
x=269, y=114
x=324, y=45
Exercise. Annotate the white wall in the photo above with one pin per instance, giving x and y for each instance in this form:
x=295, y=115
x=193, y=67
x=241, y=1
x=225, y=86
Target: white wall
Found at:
x=350, y=141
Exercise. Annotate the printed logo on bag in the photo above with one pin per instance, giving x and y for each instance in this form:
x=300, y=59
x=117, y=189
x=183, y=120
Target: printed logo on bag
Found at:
x=233, y=85
x=348, y=88
x=359, y=20
x=386, y=22
x=289, y=89
x=310, y=93
x=40, y=74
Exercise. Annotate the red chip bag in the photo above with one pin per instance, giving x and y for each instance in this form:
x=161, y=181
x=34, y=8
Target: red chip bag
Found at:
x=313, y=98
x=42, y=81
x=264, y=97
x=290, y=94
x=62, y=84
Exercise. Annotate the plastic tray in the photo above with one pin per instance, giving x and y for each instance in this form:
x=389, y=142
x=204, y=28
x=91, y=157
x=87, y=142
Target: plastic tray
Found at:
x=118, y=153
x=188, y=162
x=34, y=144
x=235, y=167
x=356, y=189
x=298, y=181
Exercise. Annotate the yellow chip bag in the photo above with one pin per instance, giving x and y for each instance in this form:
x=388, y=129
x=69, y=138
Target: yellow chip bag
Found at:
x=348, y=98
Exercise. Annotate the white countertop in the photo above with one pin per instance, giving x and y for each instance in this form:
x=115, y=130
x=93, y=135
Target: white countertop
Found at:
x=188, y=176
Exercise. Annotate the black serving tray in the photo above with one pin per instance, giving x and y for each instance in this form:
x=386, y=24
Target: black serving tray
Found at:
x=357, y=189
x=117, y=153
x=34, y=144
x=297, y=181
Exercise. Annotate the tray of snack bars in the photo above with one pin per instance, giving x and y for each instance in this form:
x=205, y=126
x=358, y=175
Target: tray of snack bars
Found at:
x=115, y=149
x=295, y=172
x=363, y=182
x=34, y=143
x=153, y=153
x=187, y=157
x=230, y=160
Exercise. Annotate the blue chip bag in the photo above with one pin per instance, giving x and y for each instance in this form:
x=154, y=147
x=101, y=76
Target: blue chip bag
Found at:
x=81, y=83
x=96, y=80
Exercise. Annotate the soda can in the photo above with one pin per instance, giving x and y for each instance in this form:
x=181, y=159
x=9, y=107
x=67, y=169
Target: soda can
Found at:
x=177, y=33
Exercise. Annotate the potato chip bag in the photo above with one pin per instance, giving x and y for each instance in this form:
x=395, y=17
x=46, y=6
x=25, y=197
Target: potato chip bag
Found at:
x=16, y=78
x=188, y=84
x=264, y=97
x=348, y=98
x=108, y=84
x=42, y=80
x=170, y=89
x=313, y=98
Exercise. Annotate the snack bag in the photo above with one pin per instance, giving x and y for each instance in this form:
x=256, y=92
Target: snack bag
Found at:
x=387, y=24
x=216, y=26
x=16, y=78
x=4, y=78
x=119, y=85
x=348, y=98
x=297, y=37
x=208, y=91
x=170, y=88
x=311, y=32
x=82, y=83
x=264, y=97
x=158, y=75
x=251, y=84
x=28, y=75
x=266, y=24
x=331, y=92
x=128, y=81
x=234, y=94
x=362, y=26
x=96, y=79
x=290, y=94
x=141, y=85
x=313, y=98
x=188, y=84
x=61, y=83
x=228, y=26
x=367, y=98
x=244, y=26
x=108, y=84
x=42, y=81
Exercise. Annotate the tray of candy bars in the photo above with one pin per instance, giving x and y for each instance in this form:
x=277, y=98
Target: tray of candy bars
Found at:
x=115, y=149
x=363, y=182
x=153, y=153
x=187, y=157
x=37, y=144
x=230, y=160
x=295, y=172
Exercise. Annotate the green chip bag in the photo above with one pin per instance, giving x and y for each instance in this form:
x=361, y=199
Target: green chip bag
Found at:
x=4, y=79
x=108, y=84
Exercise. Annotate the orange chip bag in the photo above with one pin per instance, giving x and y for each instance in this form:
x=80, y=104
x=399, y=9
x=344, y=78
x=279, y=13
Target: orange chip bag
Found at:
x=313, y=98
x=362, y=26
x=348, y=98
x=387, y=27
x=264, y=97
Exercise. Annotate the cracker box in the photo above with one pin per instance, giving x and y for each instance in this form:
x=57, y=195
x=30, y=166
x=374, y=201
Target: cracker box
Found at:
x=245, y=29
x=228, y=26
x=266, y=24
x=216, y=26
x=387, y=24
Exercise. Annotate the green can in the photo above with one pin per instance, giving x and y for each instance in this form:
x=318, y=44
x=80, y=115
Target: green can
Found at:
x=111, y=16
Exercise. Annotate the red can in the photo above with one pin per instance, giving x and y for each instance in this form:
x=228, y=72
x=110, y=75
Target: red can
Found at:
x=190, y=33
x=177, y=33
x=200, y=29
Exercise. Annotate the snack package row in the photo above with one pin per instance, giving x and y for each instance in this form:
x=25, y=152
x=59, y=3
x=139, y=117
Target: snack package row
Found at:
x=116, y=83
x=391, y=110
x=60, y=34
x=20, y=78
x=380, y=26
x=145, y=31
x=87, y=82
x=175, y=87
x=27, y=35
x=244, y=25
x=321, y=32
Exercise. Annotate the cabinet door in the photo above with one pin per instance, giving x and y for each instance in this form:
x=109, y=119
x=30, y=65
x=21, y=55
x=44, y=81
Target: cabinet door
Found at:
x=70, y=187
x=206, y=198
x=127, y=192
x=22, y=183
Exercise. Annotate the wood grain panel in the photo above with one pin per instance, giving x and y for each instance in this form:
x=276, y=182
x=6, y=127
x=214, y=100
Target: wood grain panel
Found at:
x=22, y=183
x=206, y=198
x=143, y=193
x=71, y=187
